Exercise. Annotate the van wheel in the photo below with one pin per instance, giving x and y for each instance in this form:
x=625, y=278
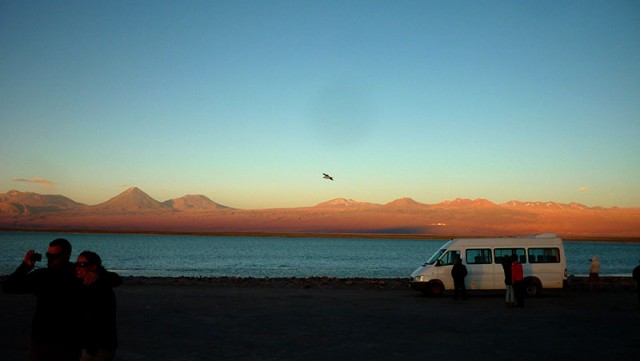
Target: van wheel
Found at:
x=436, y=289
x=533, y=287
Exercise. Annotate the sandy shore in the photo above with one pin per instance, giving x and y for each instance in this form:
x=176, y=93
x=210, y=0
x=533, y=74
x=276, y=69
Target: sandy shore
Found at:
x=351, y=319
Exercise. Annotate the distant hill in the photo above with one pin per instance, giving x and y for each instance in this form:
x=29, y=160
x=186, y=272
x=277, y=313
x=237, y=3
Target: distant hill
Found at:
x=405, y=204
x=26, y=203
x=344, y=203
x=466, y=203
x=546, y=205
x=197, y=203
x=134, y=210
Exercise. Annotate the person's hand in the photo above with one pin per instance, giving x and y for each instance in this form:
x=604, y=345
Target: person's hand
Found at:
x=28, y=258
x=90, y=278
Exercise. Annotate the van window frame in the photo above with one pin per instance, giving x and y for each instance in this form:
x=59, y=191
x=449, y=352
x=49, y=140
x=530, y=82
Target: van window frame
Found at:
x=522, y=255
x=534, y=258
x=485, y=256
x=434, y=258
x=449, y=255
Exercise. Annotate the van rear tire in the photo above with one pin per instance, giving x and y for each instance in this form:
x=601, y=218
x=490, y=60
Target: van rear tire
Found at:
x=533, y=287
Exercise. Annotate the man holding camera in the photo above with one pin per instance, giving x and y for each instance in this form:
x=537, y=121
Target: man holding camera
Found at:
x=56, y=289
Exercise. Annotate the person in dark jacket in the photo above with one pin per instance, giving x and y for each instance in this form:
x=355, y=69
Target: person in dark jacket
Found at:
x=97, y=308
x=510, y=297
x=459, y=272
x=56, y=289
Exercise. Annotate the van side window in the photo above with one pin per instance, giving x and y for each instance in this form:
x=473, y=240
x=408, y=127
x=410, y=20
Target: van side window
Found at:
x=479, y=256
x=544, y=255
x=448, y=258
x=500, y=252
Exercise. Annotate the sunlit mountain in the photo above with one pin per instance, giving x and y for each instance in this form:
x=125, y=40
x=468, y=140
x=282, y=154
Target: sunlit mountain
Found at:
x=134, y=210
x=130, y=201
x=26, y=203
x=195, y=203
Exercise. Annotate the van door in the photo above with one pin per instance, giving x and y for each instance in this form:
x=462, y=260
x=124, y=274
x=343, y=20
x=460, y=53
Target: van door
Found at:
x=444, y=266
x=481, y=269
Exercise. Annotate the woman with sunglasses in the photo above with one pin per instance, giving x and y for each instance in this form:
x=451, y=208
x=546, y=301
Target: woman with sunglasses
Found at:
x=97, y=308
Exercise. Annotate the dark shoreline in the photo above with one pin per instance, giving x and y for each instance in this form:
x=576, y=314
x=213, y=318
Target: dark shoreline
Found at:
x=609, y=283
x=310, y=235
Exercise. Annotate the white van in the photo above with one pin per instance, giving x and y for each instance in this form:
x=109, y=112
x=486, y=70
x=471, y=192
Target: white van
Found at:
x=542, y=258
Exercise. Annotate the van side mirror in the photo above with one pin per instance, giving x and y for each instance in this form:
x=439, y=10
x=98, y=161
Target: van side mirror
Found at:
x=438, y=263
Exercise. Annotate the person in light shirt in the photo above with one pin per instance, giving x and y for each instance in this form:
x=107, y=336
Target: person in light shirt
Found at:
x=594, y=273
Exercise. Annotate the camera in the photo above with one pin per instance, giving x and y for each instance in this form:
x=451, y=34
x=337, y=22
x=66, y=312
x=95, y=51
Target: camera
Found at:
x=36, y=257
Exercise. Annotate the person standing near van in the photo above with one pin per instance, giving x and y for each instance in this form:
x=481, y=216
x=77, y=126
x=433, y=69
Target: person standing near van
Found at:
x=510, y=297
x=517, y=278
x=459, y=272
x=594, y=273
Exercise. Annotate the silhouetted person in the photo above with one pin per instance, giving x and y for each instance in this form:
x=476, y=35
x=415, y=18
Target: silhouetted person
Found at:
x=97, y=308
x=459, y=272
x=517, y=277
x=56, y=289
x=509, y=297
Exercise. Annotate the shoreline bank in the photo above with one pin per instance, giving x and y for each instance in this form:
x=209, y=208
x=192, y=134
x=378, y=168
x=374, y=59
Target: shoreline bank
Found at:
x=577, y=284
x=312, y=235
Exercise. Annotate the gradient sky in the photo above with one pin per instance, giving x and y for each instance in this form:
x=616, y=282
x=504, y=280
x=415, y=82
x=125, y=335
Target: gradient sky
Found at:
x=249, y=102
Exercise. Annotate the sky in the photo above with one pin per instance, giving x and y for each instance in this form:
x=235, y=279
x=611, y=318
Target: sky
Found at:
x=249, y=102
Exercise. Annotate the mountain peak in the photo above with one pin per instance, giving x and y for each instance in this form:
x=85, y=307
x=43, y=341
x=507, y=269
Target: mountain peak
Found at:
x=343, y=202
x=194, y=203
x=131, y=200
x=464, y=202
x=546, y=205
x=404, y=203
x=133, y=190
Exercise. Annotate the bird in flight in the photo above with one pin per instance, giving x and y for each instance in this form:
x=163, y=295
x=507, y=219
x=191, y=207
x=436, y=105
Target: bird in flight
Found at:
x=326, y=176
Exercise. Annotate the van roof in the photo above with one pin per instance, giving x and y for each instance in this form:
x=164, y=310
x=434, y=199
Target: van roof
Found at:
x=540, y=239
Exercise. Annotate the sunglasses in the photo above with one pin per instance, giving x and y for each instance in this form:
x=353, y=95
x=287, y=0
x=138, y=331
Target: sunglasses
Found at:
x=83, y=264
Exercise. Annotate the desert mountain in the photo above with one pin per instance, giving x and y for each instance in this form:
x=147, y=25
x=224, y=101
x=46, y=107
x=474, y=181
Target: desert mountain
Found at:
x=194, y=203
x=405, y=204
x=131, y=200
x=546, y=205
x=134, y=210
x=344, y=203
x=26, y=203
x=466, y=203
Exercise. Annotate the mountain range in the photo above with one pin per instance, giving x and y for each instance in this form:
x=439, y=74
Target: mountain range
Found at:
x=134, y=210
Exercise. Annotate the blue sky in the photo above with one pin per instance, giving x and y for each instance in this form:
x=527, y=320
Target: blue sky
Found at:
x=249, y=102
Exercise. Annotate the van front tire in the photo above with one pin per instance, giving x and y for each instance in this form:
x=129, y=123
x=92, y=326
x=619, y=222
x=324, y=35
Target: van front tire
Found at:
x=434, y=289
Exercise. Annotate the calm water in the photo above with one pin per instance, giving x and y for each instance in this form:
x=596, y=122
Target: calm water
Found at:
x=171, y=256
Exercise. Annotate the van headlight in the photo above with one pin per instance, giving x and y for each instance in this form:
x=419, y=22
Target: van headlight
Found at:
x=418, y=279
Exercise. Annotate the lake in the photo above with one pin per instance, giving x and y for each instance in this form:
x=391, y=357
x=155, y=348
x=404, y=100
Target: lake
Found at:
x=240, y=256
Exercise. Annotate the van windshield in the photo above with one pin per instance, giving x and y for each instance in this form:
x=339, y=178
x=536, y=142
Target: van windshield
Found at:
x=435, y=256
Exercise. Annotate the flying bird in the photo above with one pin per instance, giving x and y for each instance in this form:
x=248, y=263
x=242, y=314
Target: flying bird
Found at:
x=326, y=176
